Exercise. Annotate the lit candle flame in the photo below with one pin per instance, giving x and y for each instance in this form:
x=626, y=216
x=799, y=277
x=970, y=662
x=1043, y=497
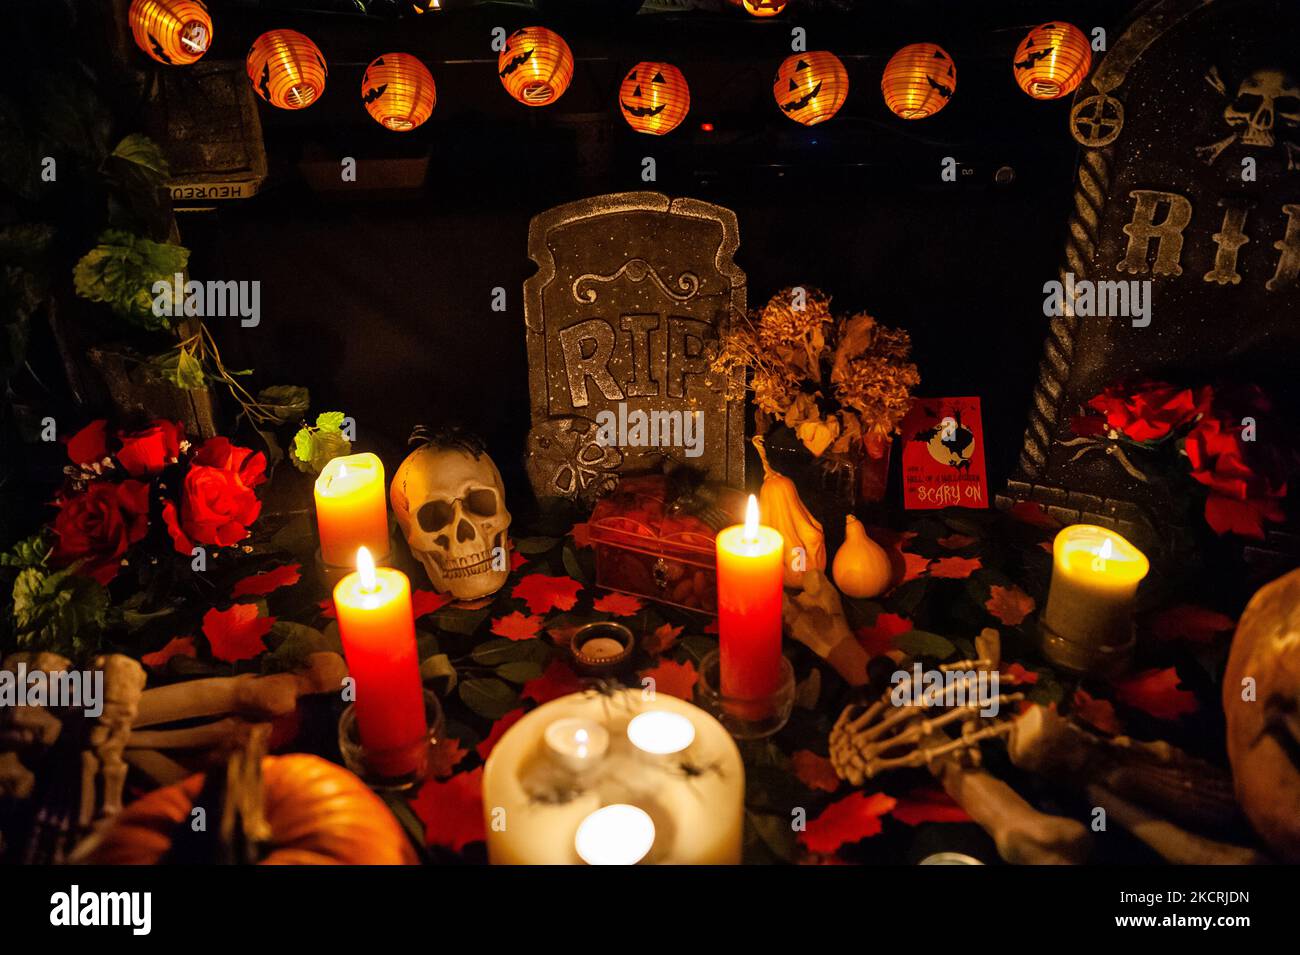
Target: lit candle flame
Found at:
x=366, y=569
x=1103, y=554
x=751, y=520
x=580, y=737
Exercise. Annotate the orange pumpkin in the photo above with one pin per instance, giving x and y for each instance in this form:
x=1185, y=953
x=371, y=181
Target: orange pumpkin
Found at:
x=654, y=98
x=311, y=812
x=919, y=80
x=175, y=32
x=763, y=8
x=535, y=66
x=1052, y=61
x=811, y=87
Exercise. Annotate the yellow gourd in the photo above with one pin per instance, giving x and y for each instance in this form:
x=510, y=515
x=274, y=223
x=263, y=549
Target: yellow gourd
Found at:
x=861, y=567
x=780, y=507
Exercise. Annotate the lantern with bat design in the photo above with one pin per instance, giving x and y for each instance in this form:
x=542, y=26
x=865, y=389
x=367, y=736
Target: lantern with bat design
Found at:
x=654, y=98
x=811, y=87
x=398, y=91
x=175, y=32
x=287, y=69
x=919, y=80
x=763, y=8
x=1052, y=61
x=535, y=66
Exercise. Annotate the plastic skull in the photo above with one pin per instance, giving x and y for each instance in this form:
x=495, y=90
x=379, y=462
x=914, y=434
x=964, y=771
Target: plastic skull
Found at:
x=451, y=506
x=1265, y=98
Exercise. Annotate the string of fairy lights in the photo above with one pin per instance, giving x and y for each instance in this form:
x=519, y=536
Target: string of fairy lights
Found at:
x=535, y=65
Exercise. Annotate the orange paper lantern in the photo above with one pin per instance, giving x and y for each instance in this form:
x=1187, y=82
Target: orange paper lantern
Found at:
x=763, y=8
x=426, y=6
x=811, y=87
x=654, y=98
x=287, y=69
x=175, y=32
x=536, y=66
x=1052, y=61
x=919, y=80
x=398, y=91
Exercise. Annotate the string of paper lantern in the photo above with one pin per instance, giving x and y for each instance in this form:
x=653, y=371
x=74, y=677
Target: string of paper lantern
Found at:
x=536, y=66
x=175, y=32
x=398, y=91
x=919, y=80
x=286, y=69
x=654, y=98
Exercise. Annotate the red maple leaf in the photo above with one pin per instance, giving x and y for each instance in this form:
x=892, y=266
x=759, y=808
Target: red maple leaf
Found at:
x=446, y=756
x=1030, y=512
x=563, y=635
x=846, y=821
x=516, y=626
x=1018, y=674
x=581, y=534
x=620, y=605
x=557, y=680
x=426, y=602
x=517, y=560
x=543, y=593
x=1011, y=605
x=955, y=568
x=956, y=542
x=236, y=634
x=327, y=608
x=878, y=638
x=1191, y=623
x=452, y=811
x=661, y=640
x=498, y=730
x=1156, y=692
x=814, y=771
x=675, y=679
x=914, y=566
x=176, y=647
x=1096, y=712
x=928, y=805
x=267, y=581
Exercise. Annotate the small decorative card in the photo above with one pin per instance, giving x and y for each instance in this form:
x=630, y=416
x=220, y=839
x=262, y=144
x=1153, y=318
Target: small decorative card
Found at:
x=943, y=455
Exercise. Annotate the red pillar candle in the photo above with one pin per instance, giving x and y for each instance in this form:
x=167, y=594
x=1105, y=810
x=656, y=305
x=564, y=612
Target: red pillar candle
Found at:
x=749, y=607
x=377, y=628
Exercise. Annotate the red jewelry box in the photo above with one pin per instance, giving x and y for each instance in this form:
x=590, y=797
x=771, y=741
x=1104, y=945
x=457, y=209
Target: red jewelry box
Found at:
x=663, y=550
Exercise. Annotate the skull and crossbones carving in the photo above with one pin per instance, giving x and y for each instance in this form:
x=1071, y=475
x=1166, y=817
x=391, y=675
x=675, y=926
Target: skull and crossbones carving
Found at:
x=1266, y=105
x=450, y=503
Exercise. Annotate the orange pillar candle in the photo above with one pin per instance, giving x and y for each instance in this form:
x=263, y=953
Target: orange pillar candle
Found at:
x=377, y=629
x=352, y=508
x=749, y=607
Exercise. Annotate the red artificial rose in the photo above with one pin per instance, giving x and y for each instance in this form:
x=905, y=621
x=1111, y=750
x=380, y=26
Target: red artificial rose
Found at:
x=1240, y=498
x=89, y=445
x=217, y=500
x=1143, y=411
x=148, y=451
x=99, y=524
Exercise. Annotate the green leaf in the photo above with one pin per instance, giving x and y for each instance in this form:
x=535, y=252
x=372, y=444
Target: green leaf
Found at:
x=459, y=620
x=297, y=642
x=488, y=697
x=573, y=567
x=535, y=546
x=699, y=646
x=63, y=612
x=121, y=271
x=521, y=671
x=315, y=446
x=285, y=402
x=439, y=666
x=31, y=552
x=143, y=153
x=922, y=643
x=494, y=653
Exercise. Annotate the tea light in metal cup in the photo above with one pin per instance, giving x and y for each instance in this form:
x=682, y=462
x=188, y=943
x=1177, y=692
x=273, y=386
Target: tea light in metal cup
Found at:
x=660, y=733
x=576, y=744
x=950, y=858
x=615, y=835
x=601, y=647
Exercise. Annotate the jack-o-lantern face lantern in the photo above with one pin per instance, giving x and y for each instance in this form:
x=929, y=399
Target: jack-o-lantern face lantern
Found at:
x=287, y=69
x=535, y=66
x=763, y=8
x=398, y=91
x=654, y=98
x=811, y=87
x=1052, y=61
x=919, y=80
x=175, y=32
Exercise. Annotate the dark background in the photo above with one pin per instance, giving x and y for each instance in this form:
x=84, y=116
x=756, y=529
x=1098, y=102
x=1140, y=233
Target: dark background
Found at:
x=379, y=300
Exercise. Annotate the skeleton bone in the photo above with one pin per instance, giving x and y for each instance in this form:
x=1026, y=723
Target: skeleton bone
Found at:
x=29, y=726
x=1155, y=774
x=815, y=617
x=1211, y=152
x=124, y=680
x=1174, y=845
x=159, y=767
x=16, y=780
x=262, y=697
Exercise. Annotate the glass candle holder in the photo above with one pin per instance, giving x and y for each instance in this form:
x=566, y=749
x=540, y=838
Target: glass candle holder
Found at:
x=744, y=717
x=416, y=754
